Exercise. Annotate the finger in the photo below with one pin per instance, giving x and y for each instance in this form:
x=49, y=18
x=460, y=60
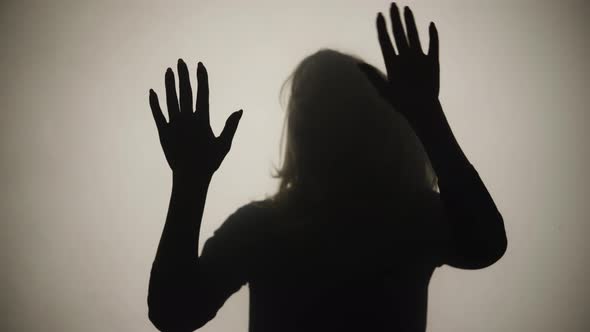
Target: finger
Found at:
x=385, y=43
x=433, y=47
x=202, y=92
x=156, y=110
x=229, y=130
x=376, y=78
x=413, y=38
x=171, y=98
x=398, y=29
x=184, y=87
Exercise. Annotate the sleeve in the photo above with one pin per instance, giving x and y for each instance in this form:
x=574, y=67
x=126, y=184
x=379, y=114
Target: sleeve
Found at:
x=471, y=229
x=227, y=257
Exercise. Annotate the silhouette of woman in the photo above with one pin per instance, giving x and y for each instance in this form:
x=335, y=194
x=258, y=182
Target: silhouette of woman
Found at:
x=375, y=193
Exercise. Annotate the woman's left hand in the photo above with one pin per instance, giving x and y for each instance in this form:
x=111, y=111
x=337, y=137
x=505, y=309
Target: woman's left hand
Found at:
x=413, y=77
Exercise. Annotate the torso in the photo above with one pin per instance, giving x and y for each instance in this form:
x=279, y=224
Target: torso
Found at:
x=348, y=270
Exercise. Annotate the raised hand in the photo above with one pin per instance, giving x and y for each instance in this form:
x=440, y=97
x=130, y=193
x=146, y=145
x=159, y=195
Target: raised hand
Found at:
x=412, y=76
x=188, y=142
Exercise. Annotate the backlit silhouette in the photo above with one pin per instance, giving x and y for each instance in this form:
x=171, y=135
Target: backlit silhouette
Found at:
x=375, y=194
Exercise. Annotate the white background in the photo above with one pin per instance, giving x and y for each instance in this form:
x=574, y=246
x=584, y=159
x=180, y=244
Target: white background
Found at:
x=85, y=186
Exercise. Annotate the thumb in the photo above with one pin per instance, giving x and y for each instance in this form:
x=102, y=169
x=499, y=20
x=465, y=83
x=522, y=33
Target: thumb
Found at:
x=228, y=132
x=377, y=79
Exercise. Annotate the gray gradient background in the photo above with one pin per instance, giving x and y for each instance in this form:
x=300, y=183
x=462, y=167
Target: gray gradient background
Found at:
x=85, y=186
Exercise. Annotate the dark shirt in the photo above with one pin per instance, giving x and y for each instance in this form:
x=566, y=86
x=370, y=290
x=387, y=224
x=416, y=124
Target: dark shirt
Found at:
x=348, y=268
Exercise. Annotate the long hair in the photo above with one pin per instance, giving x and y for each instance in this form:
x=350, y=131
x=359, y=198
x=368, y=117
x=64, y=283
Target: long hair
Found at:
x=341, y=134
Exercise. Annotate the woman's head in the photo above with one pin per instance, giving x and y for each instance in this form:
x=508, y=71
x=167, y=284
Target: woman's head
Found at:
x=343, y=140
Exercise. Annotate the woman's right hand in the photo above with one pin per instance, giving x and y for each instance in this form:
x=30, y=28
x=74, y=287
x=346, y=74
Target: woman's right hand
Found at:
x=188, y=142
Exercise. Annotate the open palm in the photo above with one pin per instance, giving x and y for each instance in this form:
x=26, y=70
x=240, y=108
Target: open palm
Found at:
x=413, y=77
x=188, y=142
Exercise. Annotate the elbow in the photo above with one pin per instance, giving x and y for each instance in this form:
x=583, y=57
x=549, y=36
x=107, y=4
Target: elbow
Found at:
x=493, y=252
x=478, y=252
x=171, y=324
x=176, y=314
x=477, y=259
x=503, y=245
x=498, y=243
x=163, y=316
x=173, y=304
x=163, y=321
x=494, y=249
x=174, y=319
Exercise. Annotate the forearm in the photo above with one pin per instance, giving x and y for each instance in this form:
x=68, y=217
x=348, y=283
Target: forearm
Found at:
x=439, y=141
x=477, y=225
x=174, y=280
x=180, y=236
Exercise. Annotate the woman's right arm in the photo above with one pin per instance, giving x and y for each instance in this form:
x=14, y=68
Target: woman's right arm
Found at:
x=179, y=297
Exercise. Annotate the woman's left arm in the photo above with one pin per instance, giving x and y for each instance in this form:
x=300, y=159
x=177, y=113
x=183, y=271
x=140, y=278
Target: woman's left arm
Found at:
x=476, y=227
x=477, y=233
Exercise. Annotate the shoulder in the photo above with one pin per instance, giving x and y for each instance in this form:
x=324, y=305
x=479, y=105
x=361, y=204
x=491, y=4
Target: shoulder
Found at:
x=242, y=232
x=256, y=209
x=247, y=218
